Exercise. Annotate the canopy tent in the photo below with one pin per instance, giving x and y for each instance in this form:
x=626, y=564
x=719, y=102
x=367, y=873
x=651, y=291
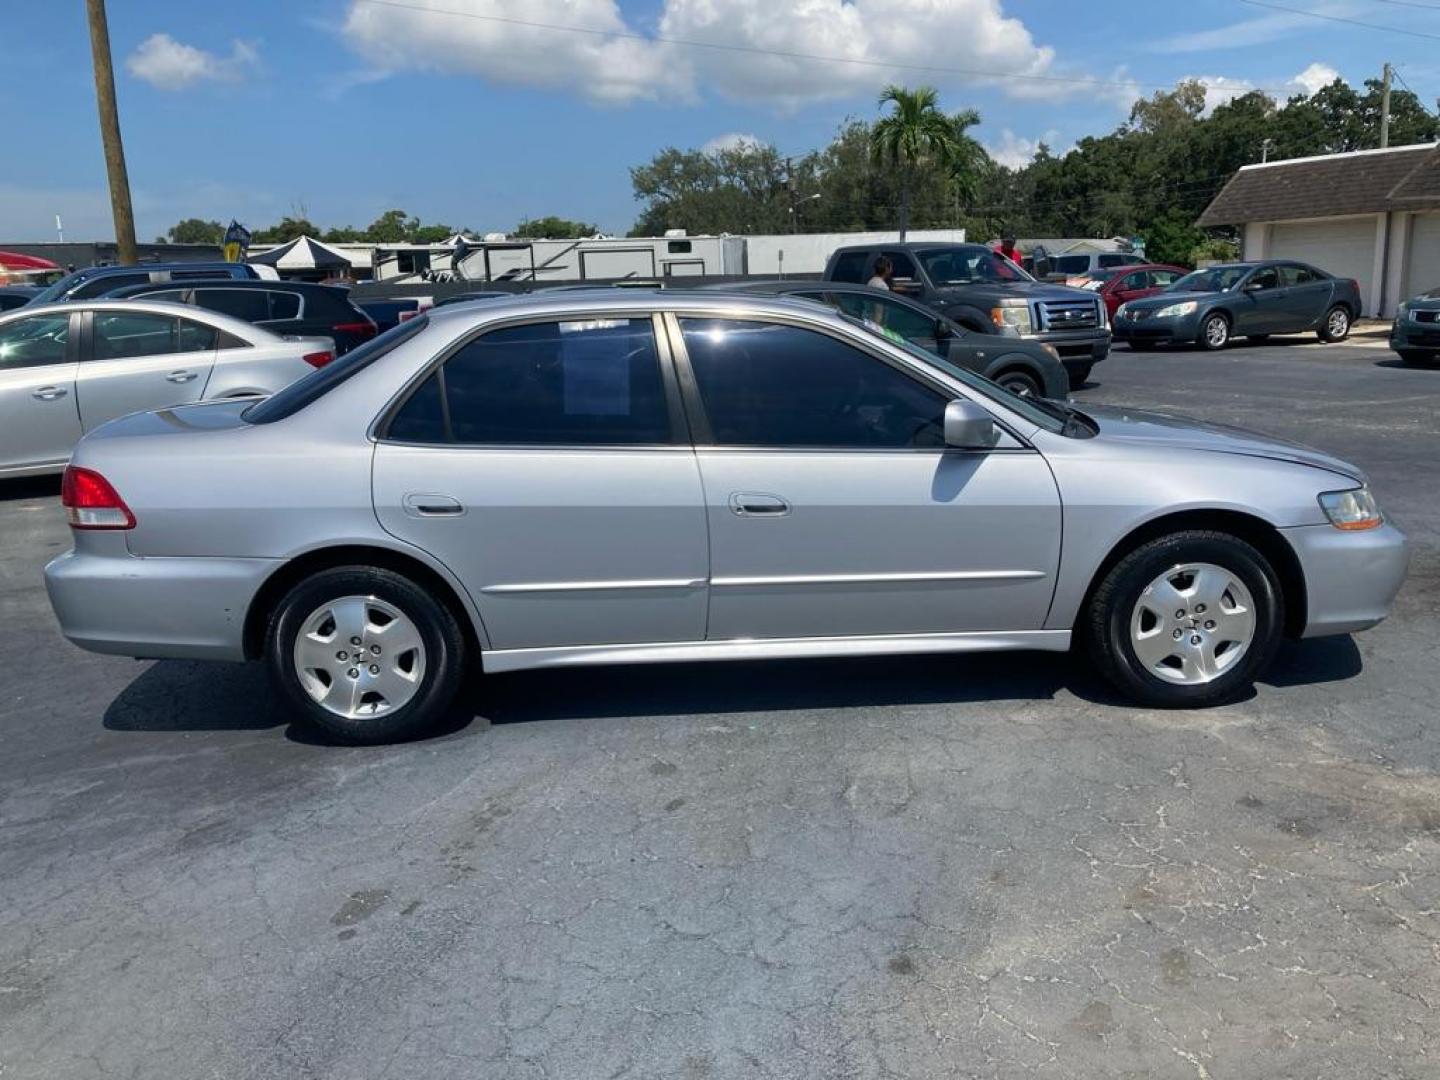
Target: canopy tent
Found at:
x=303, y=253
x=13, y=264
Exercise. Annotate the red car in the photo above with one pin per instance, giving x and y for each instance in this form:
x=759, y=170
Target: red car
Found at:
x=1118, y=284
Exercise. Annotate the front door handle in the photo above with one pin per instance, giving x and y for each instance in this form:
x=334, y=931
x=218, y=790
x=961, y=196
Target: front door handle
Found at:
x=419, y=504
x=182, y=376
x=48, y=393
x=751, y=504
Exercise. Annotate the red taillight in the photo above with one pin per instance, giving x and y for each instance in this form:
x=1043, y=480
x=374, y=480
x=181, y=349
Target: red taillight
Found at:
x=364, y=329
x=406, y=316
x=91, y=502
x=318, y=359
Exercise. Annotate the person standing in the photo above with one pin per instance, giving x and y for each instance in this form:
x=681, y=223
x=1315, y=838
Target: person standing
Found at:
x=1011, y=250
x=881, y=275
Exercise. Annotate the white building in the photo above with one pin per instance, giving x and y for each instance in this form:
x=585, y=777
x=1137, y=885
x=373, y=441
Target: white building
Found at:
x=1371, y=215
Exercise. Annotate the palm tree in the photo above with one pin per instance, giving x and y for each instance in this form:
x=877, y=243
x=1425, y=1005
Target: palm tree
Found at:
x=915, y=133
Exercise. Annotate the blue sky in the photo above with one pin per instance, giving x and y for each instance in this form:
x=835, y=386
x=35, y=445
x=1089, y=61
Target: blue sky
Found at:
x=344, y=108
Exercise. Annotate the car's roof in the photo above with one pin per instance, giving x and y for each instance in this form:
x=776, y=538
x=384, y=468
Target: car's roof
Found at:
x=221, y=283
x=165, y=307
x=96, y=271
x=912, y=245
x=603, y=300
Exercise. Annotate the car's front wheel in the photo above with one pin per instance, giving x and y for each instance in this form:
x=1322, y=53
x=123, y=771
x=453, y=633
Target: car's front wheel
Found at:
x=1079, y=375
x=1336, y=326
x=1215, y=332
x=1418, y=357
x=365, y=654
x=1188, y=619
x=1020, y=382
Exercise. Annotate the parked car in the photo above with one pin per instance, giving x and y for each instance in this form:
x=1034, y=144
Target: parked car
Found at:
x=1415, y=334
x=1087, y=262
x=988, y=294
x=282, y=307
x=65, y=369
x=14, y=296
x=1120, y=285
x=389, y=312
x=634, y=477
x=466, y=297
x=1255, y=299
x=94, y=281
x=1028, y=368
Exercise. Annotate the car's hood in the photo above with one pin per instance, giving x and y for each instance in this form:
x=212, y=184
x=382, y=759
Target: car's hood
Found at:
x=1031, y=290
x=1182, y=432
x=1165, y=299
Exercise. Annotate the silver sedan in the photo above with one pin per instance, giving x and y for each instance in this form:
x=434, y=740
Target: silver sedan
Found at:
x=609, y=478
x=68, y=368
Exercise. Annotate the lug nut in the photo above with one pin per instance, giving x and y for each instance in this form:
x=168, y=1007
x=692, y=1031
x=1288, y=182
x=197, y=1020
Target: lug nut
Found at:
x=342, y=655
x=353, y=673
x=1199, y=609
x=1195, y=640
x=354, y=641
x=1179, y=634
x=1180, y=614
x=1209, y=624
x=375, y=649
x=374, y=669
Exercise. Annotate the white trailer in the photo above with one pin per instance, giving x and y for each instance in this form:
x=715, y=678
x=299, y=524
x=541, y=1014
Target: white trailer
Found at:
x=606, y=258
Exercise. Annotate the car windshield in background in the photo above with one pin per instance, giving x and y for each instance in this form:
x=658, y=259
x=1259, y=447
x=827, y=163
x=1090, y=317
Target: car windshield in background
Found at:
x=1034, y=410
x=965, y=266
x=1211, y=279
x=55, y=290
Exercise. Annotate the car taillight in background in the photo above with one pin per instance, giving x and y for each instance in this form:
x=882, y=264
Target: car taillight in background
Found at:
x=318, y=359
x=365, y=329
x=91, y=502
x=406, y=316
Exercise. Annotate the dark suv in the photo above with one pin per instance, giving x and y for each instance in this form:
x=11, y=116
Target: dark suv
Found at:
x=983, y=292
x=301, y=308
x=95, y=281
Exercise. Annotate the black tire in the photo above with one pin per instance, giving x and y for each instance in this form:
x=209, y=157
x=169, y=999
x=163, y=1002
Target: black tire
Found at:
x=438, y=629
x=1336, y=324
x=1213, y=342
x=1079, y=375
x=1417, y=357
x=1106, y=622
x=1022, y=382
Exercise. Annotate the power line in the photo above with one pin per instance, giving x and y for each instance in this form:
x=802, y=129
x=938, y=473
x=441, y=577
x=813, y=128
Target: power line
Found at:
x=1342, y=19
x=971, y=73
x=1411, y=4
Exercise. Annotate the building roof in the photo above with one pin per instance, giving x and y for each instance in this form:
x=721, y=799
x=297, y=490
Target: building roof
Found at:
x=1334, y=185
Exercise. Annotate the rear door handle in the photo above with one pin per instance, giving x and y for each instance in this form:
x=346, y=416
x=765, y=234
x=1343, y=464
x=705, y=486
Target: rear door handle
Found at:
x=48, y=393
x=752, y=504
x=182, y=376
x=418, y=504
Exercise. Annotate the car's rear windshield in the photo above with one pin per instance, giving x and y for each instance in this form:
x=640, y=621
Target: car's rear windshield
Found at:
x=310, y=388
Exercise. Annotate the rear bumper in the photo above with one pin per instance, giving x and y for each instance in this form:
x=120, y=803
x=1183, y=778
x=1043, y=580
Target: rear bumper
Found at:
x=1351, y=578
x=192, y=609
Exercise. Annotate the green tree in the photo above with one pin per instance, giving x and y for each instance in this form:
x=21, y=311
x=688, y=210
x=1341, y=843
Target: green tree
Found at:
x=391, y=227
x=289, y=228
x=915, y=133
x=554, y=228
x=739, y=190
x=194, y=231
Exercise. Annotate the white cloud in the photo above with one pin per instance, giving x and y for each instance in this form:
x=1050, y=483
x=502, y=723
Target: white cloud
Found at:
x=1315, y=78
x=1258, y=30
x=1015, y=152
x=1220, y=88
x=732, y=140
x=617, y=63
x=168, y=64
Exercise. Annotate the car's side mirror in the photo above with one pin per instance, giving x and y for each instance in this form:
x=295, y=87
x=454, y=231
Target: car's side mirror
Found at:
x=969, y=427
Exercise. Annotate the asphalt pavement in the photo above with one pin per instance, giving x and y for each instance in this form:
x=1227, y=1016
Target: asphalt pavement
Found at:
x=959, y=867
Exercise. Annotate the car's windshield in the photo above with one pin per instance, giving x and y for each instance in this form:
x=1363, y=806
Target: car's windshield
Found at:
x=56, y=290
x=1050, y=419
x=967, y=265
x=1211, y=279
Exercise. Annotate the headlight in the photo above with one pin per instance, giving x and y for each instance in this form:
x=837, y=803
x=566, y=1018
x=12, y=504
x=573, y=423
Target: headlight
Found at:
x=1185, y=307
x=1016, y=319
x=1351, y=510
x=1413, y=313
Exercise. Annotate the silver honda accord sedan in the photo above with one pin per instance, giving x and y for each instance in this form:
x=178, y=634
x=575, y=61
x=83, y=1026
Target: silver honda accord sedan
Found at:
x=68, y=368
x=604, y=478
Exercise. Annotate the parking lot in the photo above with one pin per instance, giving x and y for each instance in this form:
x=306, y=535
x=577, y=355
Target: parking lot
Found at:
x=973, y=866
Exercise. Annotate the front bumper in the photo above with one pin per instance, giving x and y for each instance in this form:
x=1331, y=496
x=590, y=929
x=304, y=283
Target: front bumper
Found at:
x=1407, y=336
x=1077, y=349
x=109, y=601
x=1351, y=578
x=1180, y=329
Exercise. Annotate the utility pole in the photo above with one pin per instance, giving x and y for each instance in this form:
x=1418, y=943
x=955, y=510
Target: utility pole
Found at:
x=110, y=133
x=1385, y=108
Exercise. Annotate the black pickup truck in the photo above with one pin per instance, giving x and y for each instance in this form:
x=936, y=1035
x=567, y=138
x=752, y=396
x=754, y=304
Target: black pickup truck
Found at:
x=987, y=293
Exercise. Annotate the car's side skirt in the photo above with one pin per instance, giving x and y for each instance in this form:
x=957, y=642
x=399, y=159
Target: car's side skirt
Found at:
x=774, y=649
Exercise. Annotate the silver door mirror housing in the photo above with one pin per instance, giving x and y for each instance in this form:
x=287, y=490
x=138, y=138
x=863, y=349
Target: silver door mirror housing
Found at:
x=969, y=427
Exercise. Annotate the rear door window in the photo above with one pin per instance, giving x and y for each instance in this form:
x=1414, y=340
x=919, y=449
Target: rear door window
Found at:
x=284, y=305
x=119, y=335
x=196, y=336
x=1071, y=264
x=251, y=305
x=1163, y=279
x=1299, y=275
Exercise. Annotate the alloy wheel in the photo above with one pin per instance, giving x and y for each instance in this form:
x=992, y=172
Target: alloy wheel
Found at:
x=1192, y=624
x=1217, y=332
x=359, y=657
x=1337, y=325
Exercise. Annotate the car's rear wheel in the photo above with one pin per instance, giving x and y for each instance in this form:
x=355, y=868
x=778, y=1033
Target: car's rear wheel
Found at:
x=1021, y=382
x=1215, y=332
x=1336, y=325
x=365, y=654
x=1079, y=375
x=1186, y=620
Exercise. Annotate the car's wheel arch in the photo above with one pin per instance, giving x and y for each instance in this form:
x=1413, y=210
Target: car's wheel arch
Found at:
x=1255, y=531
x=970, y=318
x=304, y=564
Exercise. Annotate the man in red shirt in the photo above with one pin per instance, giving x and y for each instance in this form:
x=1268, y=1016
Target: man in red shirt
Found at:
x=1010, y=251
